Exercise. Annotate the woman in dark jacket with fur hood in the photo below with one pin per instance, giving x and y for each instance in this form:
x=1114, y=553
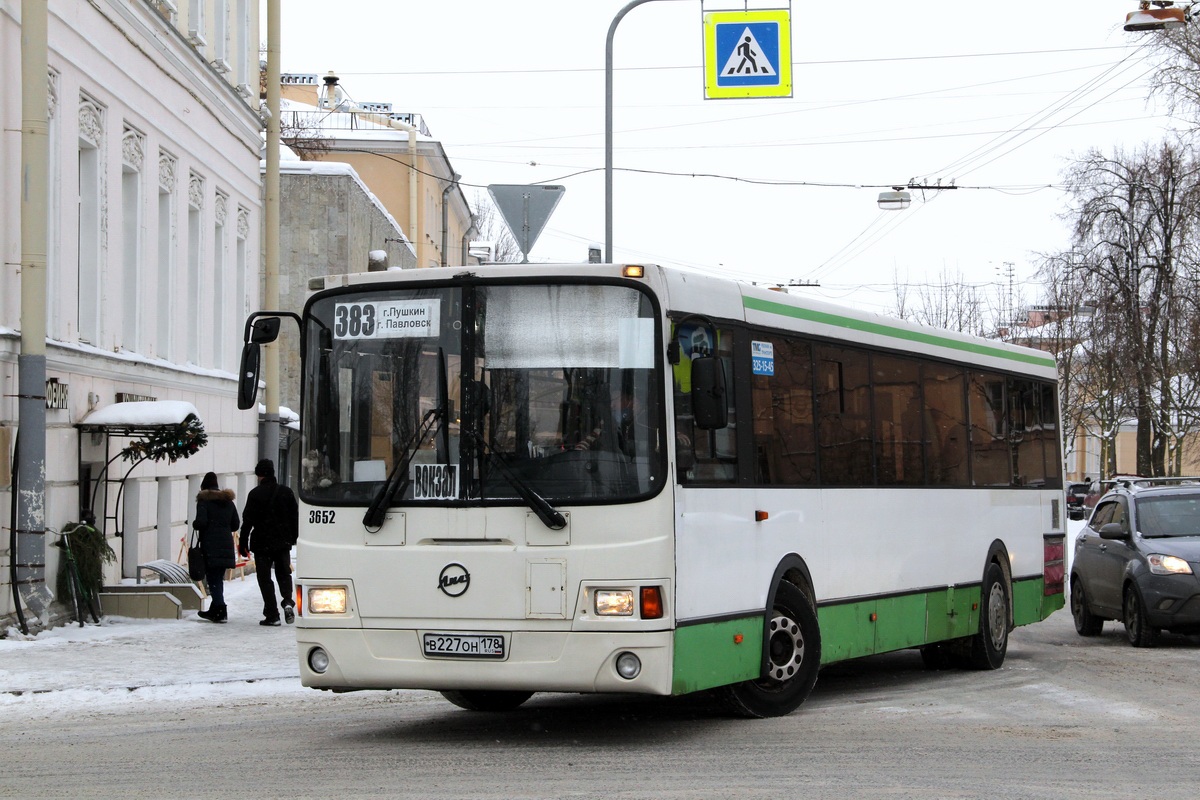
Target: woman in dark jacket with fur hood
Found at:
x=216, y=520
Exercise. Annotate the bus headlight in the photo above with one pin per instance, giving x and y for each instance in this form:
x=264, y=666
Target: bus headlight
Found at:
x=327, y=600
x=614, y=602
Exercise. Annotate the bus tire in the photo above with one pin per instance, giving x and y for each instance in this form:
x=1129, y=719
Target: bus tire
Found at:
x=793, y=656
x=483, y=700
x=1086, y=623
x=990, y=644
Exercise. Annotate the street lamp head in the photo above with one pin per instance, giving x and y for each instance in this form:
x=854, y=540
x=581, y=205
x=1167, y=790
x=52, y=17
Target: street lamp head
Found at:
x=896, y=200
x=1166, y=15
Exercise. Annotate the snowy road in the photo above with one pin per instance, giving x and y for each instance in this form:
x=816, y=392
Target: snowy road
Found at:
x=190, y=709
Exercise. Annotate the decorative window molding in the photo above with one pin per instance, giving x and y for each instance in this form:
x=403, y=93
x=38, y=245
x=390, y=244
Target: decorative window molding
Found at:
x=195, y=191
x=133, y=148
x=167, y=165
x=243, y=222
x=220, y=208
x=52, y=93
x=91, y=121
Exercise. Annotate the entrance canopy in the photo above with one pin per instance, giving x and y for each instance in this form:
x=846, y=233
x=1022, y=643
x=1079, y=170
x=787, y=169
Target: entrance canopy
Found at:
x=139, y=416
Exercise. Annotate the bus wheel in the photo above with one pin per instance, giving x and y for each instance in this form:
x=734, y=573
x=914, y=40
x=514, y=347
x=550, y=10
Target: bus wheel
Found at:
x=478, y=700
x=793, y=656
x=989, y=646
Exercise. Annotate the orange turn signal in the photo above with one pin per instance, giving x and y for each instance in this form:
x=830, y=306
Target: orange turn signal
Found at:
x=652, y=604
x=761, y=516
x=634, y=271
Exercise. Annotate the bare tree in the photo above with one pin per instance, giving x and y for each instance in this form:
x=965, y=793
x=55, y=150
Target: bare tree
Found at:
x=1134, y=218
x=952, y=303
x=492, y=228
x=1178, y=75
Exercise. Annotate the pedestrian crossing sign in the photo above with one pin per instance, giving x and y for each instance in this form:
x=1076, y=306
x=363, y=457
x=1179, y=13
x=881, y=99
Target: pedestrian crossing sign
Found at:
x=747, y=54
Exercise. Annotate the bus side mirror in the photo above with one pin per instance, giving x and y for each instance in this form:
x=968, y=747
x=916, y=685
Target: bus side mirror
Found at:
x=264, y=330
x=248, y=374
x=710, y=408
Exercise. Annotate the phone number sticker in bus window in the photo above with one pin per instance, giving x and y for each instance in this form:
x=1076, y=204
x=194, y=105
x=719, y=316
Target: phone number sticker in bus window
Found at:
x=463, y=645
x=386, y=319
x=762, y=355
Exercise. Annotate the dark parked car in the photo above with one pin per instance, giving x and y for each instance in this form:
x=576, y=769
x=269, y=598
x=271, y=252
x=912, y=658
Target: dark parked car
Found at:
x=1137, y=560
x=1076, y=496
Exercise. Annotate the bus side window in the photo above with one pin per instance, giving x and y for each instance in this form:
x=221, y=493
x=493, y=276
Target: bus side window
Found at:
x=703, y=456
x=785, y=448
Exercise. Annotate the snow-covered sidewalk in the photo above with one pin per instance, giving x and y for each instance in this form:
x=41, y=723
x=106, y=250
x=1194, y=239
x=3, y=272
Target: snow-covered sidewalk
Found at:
x=189, y=656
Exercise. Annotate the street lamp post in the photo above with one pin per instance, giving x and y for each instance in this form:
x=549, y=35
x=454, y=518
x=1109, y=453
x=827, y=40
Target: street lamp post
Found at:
x=608, y=127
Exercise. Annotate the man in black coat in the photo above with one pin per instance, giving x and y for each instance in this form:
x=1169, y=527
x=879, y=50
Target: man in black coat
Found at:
x=269, y=523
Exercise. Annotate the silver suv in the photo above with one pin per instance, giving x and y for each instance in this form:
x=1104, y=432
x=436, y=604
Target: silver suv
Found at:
x=1138, y=560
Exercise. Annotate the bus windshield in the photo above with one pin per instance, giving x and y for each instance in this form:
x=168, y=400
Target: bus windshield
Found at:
x=477, y=392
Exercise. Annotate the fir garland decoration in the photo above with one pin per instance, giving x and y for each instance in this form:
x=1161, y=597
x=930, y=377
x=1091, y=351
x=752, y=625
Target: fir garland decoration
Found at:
x=171, y=442
x=91, y=552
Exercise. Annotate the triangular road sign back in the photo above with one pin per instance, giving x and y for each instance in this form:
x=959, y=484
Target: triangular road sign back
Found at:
x=525, y=208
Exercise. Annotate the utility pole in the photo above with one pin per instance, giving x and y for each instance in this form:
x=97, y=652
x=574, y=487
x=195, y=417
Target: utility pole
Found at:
x=29, y=555
x=269, y=443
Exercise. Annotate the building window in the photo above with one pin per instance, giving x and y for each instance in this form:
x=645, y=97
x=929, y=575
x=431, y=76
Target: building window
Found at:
x=195, y=250
x=133, y=148
x=242, y=267
x=221, y=306
x=167, y=166
x=90, y=219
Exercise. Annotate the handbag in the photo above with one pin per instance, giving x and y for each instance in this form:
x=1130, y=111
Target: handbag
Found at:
x=196, y=569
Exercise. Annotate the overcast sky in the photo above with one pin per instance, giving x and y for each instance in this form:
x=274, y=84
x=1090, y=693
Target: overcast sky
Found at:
x=993, y=97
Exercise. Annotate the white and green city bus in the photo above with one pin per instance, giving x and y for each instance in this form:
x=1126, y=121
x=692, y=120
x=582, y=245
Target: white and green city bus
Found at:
x=619, y=478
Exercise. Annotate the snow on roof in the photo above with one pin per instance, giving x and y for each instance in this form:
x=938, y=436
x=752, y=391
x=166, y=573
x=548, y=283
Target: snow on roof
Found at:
x=336, y=168
x=142, y=413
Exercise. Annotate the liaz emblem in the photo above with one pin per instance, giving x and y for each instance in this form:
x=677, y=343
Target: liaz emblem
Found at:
x=454, y=580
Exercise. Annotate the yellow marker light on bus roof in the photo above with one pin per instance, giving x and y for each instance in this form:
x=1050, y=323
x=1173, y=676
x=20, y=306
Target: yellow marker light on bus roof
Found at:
x=327, y=600
x=614, y=602
x=634, y=271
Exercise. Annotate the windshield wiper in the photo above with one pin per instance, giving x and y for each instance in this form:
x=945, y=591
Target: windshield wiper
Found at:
x=551, y=517
x=398, y=479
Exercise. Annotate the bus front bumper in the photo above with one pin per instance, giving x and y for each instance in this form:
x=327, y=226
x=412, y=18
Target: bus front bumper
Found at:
x=535, y=661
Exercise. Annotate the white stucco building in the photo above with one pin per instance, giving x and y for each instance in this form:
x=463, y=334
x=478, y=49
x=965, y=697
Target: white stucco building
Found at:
x=153, y=256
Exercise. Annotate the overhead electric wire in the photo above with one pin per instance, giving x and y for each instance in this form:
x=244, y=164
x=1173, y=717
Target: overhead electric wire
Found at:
x=1089, y=86
x=831, y=62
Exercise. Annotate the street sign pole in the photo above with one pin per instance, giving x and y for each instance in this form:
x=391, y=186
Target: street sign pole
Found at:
x=608, y=127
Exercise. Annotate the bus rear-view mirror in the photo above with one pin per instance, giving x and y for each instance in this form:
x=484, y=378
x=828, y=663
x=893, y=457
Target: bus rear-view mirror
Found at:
x=248, y=374
x=710, y=406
